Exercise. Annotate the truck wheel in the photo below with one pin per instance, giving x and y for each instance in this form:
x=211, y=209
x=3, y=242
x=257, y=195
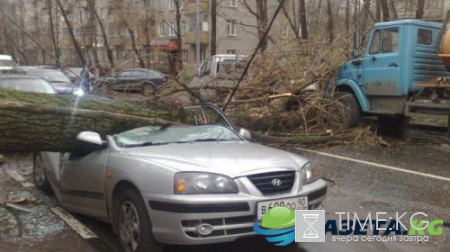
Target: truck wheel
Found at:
x=39, y=174
x=133, y=224
x=352, y=113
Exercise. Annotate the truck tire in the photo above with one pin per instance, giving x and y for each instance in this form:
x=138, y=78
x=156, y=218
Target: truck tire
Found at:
x=352, y=113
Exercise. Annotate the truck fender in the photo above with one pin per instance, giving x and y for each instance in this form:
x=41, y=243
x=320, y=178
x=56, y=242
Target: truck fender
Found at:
x=351, y=86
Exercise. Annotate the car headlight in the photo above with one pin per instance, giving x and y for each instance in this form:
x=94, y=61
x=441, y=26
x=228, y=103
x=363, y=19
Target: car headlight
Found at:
x=309, y=173
x=203, y=183
x=78, y=92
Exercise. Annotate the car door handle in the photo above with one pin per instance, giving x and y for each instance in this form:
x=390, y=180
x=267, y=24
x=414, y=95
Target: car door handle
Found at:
x=393, y=64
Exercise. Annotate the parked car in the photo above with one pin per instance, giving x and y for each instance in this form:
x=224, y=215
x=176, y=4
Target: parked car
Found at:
x=26, y=83
x=74, y=75
x=56, y=78
x=195, y=184
x=134, y=80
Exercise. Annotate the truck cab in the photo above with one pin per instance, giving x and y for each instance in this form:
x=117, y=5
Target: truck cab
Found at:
x=398, y=55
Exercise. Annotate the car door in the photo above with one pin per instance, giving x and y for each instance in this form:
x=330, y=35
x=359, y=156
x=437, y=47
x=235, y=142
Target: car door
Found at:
x=382, y=62
x=122, y=80
x=82, y=185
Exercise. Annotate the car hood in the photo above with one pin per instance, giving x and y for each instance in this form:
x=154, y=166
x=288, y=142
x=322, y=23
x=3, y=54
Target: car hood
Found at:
x=63, y=86
x=234, y=159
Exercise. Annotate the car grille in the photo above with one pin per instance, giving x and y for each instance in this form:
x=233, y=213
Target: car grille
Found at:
x=221, y=226
x=265, y=181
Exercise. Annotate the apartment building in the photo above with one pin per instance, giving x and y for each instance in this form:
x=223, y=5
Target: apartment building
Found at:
x=152, y=23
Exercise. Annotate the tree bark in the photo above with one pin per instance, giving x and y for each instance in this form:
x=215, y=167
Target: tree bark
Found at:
x=72, y=35
x=377, y=11
x=330, y=22
x=213, y=27
x=420, y=9
x=366, y=14
x=41, y=122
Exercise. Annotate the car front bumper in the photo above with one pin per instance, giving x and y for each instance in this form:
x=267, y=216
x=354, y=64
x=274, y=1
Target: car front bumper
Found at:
x=175, y=217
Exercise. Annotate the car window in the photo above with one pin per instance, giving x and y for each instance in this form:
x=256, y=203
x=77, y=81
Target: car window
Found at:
x=375, y=47
x=27, y=85
x=390, y=41
x=125, y=74
x=181, y=134
x=50, y=75
x=140, y=74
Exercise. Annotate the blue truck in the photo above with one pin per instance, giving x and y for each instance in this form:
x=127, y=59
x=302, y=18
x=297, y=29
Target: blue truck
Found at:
x=402, y=73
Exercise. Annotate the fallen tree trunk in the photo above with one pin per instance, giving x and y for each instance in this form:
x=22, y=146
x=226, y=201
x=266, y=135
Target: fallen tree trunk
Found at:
x=40, y=122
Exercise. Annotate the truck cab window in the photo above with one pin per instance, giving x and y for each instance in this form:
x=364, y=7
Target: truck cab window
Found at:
x=375, y=46
x=390, y=41
x=424, y=37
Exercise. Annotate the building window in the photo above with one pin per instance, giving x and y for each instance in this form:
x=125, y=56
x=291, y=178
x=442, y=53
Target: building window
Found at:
x=231, y=28
x=161, y=30
x=183, y=27
x=172, y=32
x=233, y=3
x=171, y=5
x=185, y=56
x=161, y=5
x=231, y=52
x=285, y=32
x=202, y=55
x=151, y=57
x=162, y=57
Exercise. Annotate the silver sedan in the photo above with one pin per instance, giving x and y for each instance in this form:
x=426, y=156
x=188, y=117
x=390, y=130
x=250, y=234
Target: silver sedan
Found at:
x=194, y=184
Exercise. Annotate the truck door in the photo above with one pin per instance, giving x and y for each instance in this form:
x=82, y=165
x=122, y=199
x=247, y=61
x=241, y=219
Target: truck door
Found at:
x=381, y=76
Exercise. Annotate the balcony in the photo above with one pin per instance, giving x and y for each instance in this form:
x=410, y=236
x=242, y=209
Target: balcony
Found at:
x=191, y=7
x=191, y=38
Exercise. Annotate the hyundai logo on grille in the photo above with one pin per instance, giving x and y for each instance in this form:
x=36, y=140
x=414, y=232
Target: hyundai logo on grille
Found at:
x=276, y=182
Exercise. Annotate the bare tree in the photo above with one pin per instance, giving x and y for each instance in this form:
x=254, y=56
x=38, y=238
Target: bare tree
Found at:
x=385, y=9
x=178, y=54
x=54, y=30
x=72, y=35
x=330, y=26
x=420, y=9
x=303, y=22
x=213, y=27
x=366, y=14
x=109, y=52
x=347, y=15
x=261, y=19
x=377, y=11
x=93, y=38
x=394, y=10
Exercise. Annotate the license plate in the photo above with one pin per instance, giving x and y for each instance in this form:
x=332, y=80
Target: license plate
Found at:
x=295, y=203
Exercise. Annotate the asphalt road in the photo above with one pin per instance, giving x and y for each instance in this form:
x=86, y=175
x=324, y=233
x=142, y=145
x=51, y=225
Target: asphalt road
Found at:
x=354, y=187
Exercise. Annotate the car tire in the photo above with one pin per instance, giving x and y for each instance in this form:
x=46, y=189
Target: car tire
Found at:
x=148, y=89
x=134, y=228
x=352, y=113
x=39, y=173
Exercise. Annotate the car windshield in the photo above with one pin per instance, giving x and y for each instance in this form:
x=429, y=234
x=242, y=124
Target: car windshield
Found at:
x=27, y=85
x=147, y=136
x=51, y=76
x=6, y=63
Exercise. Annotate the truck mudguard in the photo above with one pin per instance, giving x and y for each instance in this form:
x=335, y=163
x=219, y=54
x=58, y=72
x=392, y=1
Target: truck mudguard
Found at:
x=362, y=99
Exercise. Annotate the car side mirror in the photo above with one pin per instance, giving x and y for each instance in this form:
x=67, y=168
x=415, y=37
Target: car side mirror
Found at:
x=90, y=137
x=245, y=134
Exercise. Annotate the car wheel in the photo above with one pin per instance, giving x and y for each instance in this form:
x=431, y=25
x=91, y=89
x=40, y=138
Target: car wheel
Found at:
x=133, y=224
x=148, y=89
x=39, y=173
x=352, y=113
